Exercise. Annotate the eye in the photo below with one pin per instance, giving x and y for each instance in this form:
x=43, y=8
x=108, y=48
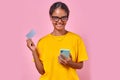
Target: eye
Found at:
x=64, y=18
x=55, y=18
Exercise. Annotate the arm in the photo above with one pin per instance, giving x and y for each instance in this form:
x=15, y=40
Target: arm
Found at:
x=68, y=62
x=38, y=63
x=75, y=65
x=34, y=51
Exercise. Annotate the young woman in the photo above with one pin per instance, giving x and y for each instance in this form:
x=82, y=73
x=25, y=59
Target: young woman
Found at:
x=49, y=62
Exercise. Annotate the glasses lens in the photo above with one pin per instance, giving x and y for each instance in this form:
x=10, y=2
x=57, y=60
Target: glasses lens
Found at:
x=55, y=18
x=65, y=18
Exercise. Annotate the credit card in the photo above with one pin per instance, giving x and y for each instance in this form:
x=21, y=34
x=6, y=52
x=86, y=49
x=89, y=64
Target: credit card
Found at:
x=31, y=34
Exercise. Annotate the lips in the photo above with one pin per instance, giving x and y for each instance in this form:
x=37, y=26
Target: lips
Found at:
x=59, y=25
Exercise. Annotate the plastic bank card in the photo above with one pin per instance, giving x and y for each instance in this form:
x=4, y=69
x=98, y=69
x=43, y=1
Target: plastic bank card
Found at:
x=65, y=52
x=31, y=34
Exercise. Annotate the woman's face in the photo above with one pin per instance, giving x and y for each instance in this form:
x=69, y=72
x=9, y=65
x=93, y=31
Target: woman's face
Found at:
x=59, y=19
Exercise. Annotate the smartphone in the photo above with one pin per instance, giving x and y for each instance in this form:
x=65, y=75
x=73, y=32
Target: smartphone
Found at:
x=65, y=52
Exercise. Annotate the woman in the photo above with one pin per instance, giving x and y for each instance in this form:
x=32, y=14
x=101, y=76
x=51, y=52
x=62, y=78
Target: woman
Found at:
x=50, y=63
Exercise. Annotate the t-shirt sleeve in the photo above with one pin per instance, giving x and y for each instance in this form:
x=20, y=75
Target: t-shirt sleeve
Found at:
x=38, y=47
x=81, y=51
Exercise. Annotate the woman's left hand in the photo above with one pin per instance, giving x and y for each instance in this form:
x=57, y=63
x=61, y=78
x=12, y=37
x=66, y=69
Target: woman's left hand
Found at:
x=64, y=60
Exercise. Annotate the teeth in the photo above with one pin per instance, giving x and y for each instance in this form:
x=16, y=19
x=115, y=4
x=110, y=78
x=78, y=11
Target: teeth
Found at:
x=59, y=25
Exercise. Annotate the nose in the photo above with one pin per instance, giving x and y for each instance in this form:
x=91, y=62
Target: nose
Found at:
x=59, y=21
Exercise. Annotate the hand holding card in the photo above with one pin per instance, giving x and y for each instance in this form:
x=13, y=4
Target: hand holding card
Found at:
x=29, y=41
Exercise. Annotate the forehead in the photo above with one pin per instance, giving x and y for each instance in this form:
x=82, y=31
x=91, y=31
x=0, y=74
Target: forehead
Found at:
x=59, y=12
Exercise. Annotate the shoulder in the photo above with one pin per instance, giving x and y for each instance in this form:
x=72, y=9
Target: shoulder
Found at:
x=43, y=39
x=75, y=36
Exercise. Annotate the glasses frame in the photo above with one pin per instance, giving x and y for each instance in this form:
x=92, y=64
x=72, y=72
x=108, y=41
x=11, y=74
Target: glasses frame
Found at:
x=56, y=18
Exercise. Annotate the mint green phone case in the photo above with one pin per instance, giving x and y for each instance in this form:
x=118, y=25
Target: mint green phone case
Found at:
x=65, y=52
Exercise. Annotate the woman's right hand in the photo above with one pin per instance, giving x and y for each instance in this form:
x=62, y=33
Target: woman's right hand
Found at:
x=31, y=45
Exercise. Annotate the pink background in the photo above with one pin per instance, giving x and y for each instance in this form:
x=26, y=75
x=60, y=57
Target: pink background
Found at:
x=97, y=21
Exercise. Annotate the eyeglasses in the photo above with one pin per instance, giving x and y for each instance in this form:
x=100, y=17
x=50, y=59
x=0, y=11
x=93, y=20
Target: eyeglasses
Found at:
x=63, y=18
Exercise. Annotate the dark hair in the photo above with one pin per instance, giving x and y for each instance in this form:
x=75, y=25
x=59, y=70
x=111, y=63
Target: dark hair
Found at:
x=59, y=5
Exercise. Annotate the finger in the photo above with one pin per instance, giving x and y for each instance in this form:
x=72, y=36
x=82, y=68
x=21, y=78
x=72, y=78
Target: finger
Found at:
x=59, y=58
x=63, y=56
x=61, y=61
x=29, y=45
x=30, y=42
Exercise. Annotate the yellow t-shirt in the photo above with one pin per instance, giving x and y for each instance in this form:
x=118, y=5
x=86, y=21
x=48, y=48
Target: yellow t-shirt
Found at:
x=49, y=49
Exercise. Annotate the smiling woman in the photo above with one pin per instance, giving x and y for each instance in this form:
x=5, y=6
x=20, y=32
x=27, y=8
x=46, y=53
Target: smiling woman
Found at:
x=49, y=61
x=59, y=14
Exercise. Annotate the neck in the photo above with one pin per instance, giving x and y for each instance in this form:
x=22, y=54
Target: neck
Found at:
x=59, y=33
